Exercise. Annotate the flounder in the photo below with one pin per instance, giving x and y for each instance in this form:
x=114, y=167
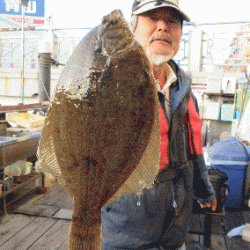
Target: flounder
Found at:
x=101, y=137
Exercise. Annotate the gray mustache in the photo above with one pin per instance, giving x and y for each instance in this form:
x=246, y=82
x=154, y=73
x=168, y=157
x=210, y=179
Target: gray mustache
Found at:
x=169, y=38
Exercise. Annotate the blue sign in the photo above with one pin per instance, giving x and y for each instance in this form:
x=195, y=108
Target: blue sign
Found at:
x=35, y=8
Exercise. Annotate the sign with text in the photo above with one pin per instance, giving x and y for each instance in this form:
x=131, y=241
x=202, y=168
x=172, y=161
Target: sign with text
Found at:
x=34, y=12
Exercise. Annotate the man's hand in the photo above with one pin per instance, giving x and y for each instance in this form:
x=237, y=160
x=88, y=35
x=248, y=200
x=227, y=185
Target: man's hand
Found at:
x=209, y=204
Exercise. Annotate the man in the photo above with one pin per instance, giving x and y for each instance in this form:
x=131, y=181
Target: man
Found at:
x=160, y=219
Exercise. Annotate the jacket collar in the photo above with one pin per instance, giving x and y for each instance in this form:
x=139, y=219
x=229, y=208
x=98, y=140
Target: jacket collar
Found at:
x=180, y=88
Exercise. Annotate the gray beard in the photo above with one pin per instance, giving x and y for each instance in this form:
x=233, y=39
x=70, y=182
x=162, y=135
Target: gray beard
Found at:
x=158, y=59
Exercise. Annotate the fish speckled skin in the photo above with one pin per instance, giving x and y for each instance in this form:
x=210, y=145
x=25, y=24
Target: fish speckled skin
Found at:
x=99, y=125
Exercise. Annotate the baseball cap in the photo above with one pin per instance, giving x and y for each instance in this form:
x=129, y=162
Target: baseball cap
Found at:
x=141, y=6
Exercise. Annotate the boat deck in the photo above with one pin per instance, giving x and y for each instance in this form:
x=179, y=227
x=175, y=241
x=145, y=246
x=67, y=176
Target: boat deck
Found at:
x=42, y=221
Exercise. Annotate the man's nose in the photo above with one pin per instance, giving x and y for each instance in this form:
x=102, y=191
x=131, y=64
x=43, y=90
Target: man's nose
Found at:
x=162, y=26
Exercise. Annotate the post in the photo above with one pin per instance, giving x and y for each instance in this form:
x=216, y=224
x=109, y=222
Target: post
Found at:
x=44, y=60
x=207, y=230
x=23, y=52
x=195, y=52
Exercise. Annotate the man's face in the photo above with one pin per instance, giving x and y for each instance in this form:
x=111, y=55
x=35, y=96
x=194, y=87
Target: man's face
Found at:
x=159, y=31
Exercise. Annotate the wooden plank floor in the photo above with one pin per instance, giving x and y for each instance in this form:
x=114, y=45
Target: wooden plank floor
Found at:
x=33, y=224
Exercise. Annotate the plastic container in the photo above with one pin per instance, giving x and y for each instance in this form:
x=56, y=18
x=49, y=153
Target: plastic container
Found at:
x=227, y=112
x=228, y=85
x=237, y=114
x=230, y=156
x=234, y=127
x=214, y=85
x=211, y=110
x=26, y=120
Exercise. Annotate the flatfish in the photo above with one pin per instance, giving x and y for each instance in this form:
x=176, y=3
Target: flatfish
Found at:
x=101, y=137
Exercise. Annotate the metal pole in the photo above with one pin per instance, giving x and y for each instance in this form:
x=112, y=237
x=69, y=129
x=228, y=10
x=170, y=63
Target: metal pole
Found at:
x=23, y=52
x=44, y=76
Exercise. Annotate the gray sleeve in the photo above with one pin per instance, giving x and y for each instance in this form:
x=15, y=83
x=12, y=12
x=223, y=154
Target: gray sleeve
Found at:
x=204, y=179
x=203, y=172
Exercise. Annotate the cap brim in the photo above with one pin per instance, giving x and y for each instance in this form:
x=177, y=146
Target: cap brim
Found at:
x=151, y=6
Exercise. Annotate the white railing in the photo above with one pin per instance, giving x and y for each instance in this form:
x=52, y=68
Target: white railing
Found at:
x=11, y=82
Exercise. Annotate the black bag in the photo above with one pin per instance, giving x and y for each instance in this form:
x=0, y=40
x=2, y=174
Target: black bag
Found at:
x=219, y=181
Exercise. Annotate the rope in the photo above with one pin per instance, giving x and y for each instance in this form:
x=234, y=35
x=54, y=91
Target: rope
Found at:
x=45, y=61
x=46, y=92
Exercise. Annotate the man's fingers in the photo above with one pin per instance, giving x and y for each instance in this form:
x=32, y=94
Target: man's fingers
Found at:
x=214, y=204
x=208, y=204
x=204, y=205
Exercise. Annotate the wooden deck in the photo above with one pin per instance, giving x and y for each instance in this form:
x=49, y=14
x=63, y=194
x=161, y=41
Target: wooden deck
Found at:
x=42, y=221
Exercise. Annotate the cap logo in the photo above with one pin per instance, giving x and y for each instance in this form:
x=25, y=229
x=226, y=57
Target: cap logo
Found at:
x=159, y=2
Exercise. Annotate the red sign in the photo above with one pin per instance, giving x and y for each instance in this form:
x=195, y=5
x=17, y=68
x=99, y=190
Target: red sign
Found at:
x=28, y=20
